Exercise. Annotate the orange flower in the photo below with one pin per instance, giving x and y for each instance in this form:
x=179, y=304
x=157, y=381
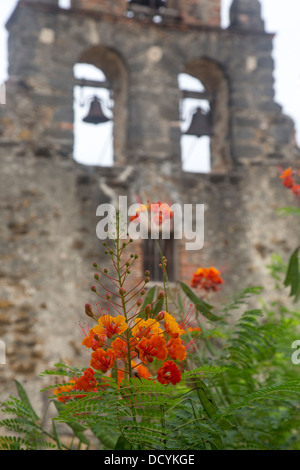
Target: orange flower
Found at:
x=142, y=371
x=207, y=279
x=161, y=211
x=142, y=208
x=60, y=391
x=286, y=173
x=93, y=340
x=103, y=360
x=152, y=347
x=286, y=176
x=120, y=347
x=110, y=326
x=146, y=328
x=194, y=328
x=171, y=326
x=169, y=373
x=176, y=349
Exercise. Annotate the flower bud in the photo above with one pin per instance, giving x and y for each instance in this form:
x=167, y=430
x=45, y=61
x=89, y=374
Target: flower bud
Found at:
x=89, y=310
x=96, y=276
x=108, y=296
x=122, y=291
x=94, y=289
x=147, y=273
x=148, y=309
x=95, y=264
x=147, y=280
x=139, y=302
x=161, y=294
x=160, y=316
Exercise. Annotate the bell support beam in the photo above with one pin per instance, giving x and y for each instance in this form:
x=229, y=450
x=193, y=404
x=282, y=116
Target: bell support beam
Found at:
x=199, y=95
x=91, y=83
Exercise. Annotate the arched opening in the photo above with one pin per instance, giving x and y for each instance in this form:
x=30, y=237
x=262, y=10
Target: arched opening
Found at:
x=93, y=137
x=155, y=4
x=156, y=9
x=100, y=90
x=65, y=4
x=195, y=144
x=204, y=117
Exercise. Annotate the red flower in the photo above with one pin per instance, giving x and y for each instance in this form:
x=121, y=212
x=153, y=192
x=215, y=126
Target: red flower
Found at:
x=103, y=360
x=286, y=177
x=142, y=208
x=120, y=347
x=152, y=347
x=161, y=210
x=176, y=349
x=169, y=373
x=296, y=189
x=60, y=392
x=93, y=341
x=86, y=382
x=288, y=182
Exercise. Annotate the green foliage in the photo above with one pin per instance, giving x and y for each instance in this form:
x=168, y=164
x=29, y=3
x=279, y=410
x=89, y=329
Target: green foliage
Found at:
x=236, y=400
x=202, y=307
x=292, y=278
x=26, y=428
x=289, y=210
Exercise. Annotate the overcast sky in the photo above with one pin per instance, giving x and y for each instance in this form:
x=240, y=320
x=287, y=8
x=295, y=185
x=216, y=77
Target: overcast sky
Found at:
x=281, y=17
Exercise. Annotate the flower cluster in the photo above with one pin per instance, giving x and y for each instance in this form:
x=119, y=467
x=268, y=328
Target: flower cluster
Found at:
x=130, y=339
x=130, y=347
x=288, y=180
x=85, y=383
x=161, y=211
x=208, y=279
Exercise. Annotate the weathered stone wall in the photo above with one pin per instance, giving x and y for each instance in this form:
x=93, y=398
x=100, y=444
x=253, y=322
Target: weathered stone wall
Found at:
x=48, y=202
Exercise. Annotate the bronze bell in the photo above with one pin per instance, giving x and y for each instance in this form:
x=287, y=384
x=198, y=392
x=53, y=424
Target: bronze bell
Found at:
x=96, y=114
x=200, y=123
